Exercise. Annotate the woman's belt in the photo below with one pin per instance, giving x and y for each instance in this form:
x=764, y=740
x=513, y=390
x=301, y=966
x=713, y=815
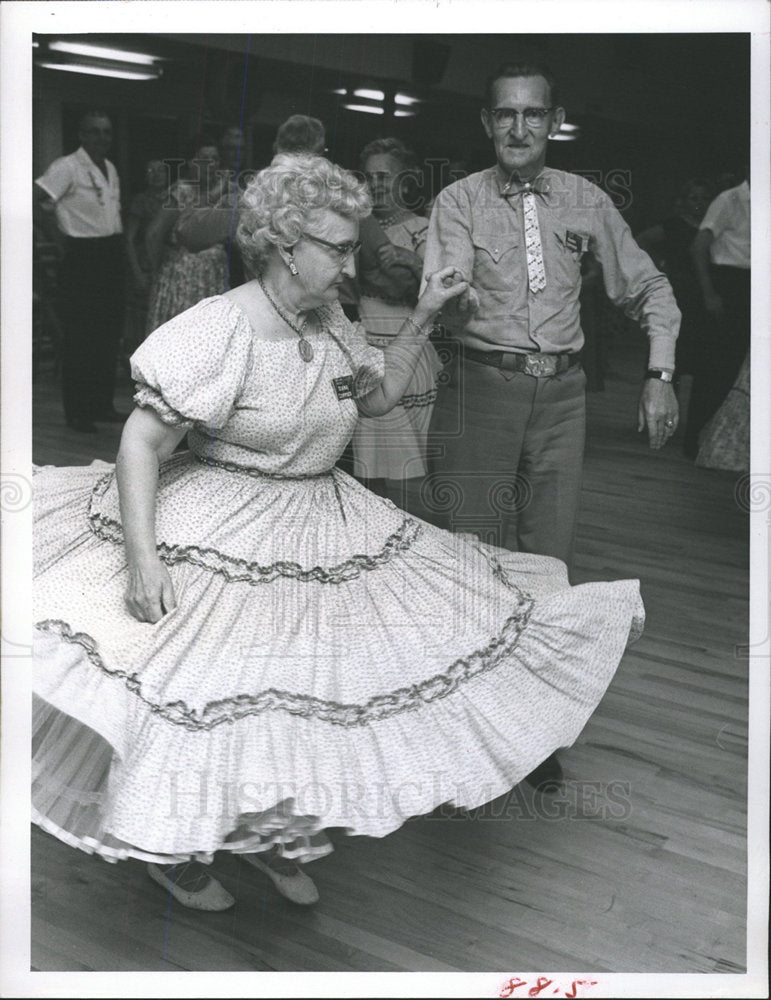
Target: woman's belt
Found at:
x=536, y=364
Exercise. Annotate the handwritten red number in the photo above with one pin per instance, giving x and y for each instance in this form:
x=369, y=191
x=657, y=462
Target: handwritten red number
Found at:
x=579, y=982
x=541, y=984
x=512, y=985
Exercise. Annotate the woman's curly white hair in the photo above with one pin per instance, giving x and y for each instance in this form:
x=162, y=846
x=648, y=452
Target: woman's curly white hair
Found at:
x=281, y=201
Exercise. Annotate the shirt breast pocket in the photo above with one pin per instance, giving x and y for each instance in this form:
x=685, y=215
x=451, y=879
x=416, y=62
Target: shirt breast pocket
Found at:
x=495, y=259
x=565, y=259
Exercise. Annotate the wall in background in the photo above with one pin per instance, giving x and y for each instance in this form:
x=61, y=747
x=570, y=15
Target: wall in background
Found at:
x=661, y=108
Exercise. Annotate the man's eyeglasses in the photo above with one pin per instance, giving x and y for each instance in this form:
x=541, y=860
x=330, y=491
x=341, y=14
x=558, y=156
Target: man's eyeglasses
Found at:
x=342, y=251
x=505, y=117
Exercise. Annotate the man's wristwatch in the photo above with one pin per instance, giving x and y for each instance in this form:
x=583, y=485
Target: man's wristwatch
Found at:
x=658, y=373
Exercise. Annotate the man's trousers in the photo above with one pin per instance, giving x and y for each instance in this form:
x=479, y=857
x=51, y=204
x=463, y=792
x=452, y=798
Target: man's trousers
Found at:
x=506, y=454
x=91, y=289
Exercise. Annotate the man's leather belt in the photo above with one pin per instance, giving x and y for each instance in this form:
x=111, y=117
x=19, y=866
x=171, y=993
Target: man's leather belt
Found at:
x=535, y=364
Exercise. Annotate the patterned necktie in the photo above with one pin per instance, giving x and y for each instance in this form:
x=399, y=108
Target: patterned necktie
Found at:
x=536, y=275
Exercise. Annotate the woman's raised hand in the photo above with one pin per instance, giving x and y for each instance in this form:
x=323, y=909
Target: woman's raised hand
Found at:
x=149, y=592
x=445, y=285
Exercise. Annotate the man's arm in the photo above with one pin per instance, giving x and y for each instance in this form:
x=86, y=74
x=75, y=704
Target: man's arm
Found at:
x=633, y=283
x=449, y=243
x=47, y=190
x=43, y=215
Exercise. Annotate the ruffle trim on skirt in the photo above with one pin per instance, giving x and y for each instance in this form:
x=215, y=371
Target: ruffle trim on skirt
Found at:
x=417, y=399
x=174, y=792
x=236, y=570
x=237, y=707
x=70, y=792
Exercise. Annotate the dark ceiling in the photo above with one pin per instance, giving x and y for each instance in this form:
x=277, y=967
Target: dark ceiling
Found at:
x=664, y=106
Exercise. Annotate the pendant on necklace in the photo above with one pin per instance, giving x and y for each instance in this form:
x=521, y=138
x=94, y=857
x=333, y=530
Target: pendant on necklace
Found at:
x=305, y=348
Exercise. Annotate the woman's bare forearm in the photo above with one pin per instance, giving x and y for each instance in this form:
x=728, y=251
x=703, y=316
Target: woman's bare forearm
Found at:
x=400, y=358
x=145, y=443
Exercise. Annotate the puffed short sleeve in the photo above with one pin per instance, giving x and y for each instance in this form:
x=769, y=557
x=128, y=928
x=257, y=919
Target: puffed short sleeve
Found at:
x=193, y=369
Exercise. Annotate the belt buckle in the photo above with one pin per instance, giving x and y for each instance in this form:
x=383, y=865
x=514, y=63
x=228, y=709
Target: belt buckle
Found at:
x=540, y=366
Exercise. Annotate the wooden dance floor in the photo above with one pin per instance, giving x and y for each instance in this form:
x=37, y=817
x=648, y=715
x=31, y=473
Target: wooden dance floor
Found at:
x=639, y=867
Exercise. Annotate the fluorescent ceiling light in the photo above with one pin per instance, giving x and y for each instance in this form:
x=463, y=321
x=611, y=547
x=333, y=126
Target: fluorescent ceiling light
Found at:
x=405, y=99
x=121, y=74
x=340, y=90
x=570, y=137
x=370, y=108
x=100, y=52
x=371, y=95
x=566, y=127
x=404, y=113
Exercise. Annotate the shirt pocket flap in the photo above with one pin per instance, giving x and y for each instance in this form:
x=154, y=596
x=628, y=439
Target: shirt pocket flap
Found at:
x=496, y=244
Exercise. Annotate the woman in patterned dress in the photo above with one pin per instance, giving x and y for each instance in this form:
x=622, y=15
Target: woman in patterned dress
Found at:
x=182, y=277
x=725, y=441
x=239, y=645
x=389, y=451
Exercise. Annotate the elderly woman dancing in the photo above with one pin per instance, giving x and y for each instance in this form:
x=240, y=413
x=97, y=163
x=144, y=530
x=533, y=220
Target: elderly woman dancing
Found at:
x=238, y=645
x=389, y=451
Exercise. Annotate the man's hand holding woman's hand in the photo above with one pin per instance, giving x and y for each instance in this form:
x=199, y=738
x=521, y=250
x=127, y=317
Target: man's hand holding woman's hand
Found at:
x=451, y=289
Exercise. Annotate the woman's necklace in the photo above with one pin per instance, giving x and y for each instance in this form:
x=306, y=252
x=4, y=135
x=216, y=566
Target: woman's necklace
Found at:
x=390, y=220
x=303, y=346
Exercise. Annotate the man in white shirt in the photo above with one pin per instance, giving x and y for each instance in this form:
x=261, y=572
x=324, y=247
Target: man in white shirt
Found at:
x=83, y=192
x=721, y=257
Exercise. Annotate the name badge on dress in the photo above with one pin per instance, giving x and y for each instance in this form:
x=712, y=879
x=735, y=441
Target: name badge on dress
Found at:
x=343, y=386
x=576, y=241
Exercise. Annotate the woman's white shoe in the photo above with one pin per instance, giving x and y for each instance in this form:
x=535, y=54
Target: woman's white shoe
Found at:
x=291, y=881
x=210, y=896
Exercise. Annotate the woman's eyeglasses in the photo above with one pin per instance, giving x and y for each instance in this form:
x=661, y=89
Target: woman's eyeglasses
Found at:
x=505, y=117
x=342, y=251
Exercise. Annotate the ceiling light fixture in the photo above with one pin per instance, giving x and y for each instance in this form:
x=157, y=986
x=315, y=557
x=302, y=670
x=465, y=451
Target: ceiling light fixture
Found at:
x=101, y=52
x=370, y=95
x=404, y=113
x=113, y=71
x=405, y=99
x=369, y=108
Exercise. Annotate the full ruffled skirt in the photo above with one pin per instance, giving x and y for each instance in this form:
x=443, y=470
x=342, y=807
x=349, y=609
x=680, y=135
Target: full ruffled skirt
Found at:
x=331, y=662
